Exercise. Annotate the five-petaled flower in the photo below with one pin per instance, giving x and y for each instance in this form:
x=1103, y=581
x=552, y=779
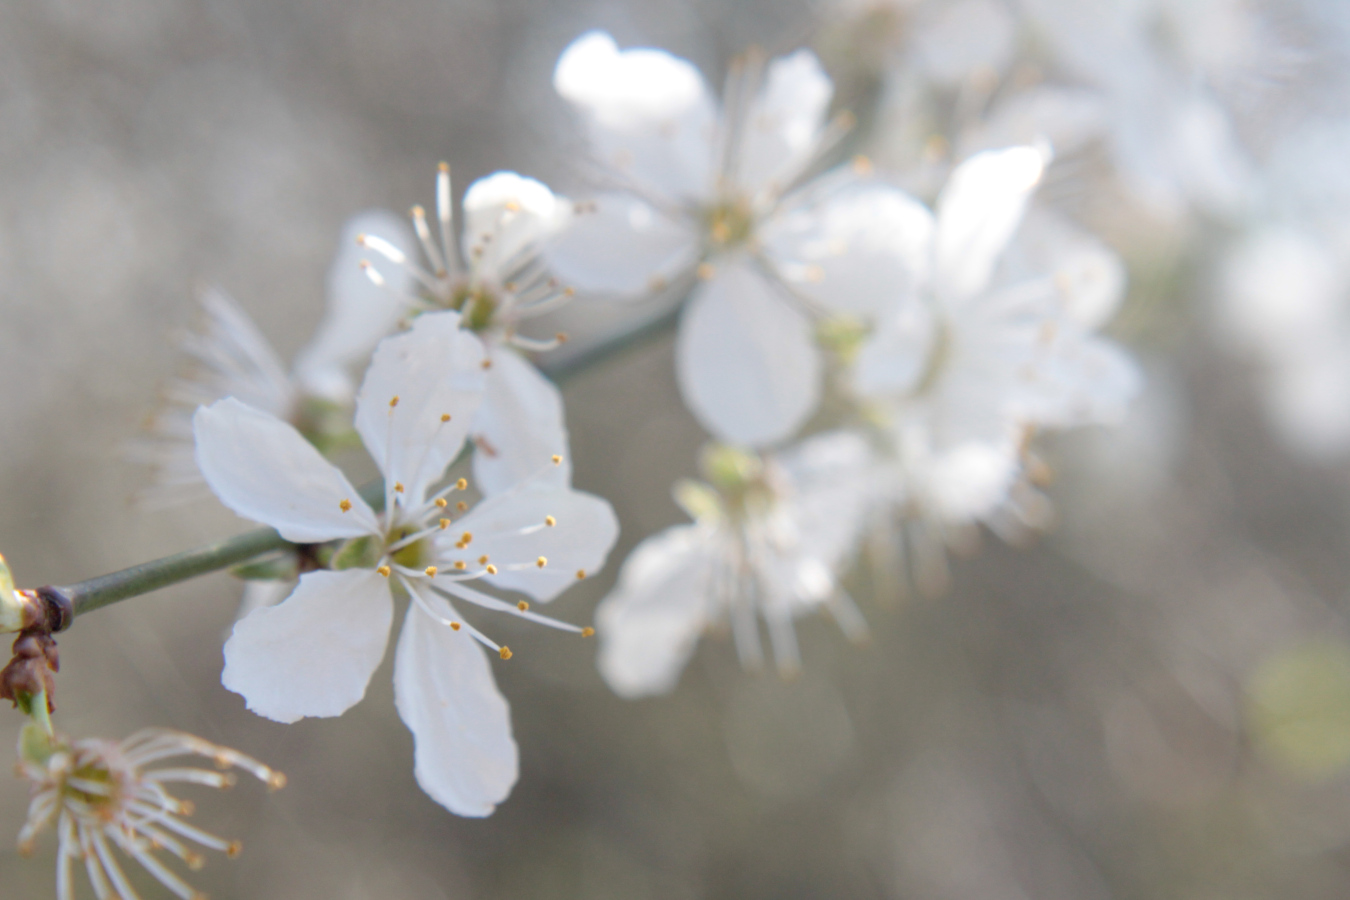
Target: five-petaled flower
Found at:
x=314, y=653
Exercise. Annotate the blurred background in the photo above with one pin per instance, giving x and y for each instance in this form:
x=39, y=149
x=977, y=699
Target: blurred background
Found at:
x=1153, y=700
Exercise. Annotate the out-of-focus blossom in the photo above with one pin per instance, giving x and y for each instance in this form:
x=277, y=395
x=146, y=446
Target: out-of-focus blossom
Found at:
x=496, y=279
x=1284, y=291
x=314, y=653
x=994, y=343
x=229, y=357
x=106, y=796
x=768, y=540
x=727, y=194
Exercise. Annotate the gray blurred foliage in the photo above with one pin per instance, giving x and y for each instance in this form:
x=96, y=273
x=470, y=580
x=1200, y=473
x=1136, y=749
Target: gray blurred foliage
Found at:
x=1073, y=721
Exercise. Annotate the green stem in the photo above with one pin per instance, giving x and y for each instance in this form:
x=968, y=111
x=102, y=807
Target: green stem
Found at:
x=105, y=590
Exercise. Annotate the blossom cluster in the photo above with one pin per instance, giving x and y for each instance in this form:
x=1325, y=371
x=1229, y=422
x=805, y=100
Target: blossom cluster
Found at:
x=877, y=325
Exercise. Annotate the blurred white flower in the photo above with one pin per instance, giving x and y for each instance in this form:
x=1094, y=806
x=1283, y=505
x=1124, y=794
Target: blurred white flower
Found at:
x=769, y=538
x=728, y=195
x=229, y=357
x=495, y=278
x=314, y=653
x=100, y=795
x=994, y=343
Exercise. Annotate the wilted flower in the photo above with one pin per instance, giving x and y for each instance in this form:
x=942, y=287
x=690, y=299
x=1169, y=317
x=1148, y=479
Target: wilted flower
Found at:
x=768, y=540
x=313, y=654
x=103, y=795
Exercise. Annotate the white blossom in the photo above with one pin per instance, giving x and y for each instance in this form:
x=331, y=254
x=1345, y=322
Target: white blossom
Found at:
x=994, y=343
x=495, y=278
x=727, y=194
x=314, y=653
x=768, y=541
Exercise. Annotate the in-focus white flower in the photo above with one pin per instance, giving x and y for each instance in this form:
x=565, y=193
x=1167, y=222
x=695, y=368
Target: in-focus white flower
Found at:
x=769, y=538
x=495, y=278
x=108, y=803
x=313, y=654
x=994, y=343
x=728, y=194
x=228, y=356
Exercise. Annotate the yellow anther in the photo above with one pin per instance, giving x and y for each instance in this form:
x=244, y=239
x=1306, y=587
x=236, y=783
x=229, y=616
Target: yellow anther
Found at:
x=466, y=537
x=418, y=211
x=195, y=861
x=398, y=487
x=344, y=505
x=361, y=241
x=491, y=569
x=550, y=521
x=462, y=484
x=26, y=849
x=186, y=807
x=588, y=631
x=461, y=506
x=487, y=363
x=522, y=606
x=235, y=848
x=581, y=573
x=393, y=401
x=512, y=206
x=444, y=167
x=444, y=523
x=561, y=337
x=445, y=417
x=461, y=565
x=557, y=460
x=569, y=292
x=506, y=653
x=431, y=571
x=454, y=626
x=384, y=570
x=460, y=545
x=705, y=271
x=276, y=780
x=541, y=561
x=442, y=502
x=862, y=165
x=482, y=560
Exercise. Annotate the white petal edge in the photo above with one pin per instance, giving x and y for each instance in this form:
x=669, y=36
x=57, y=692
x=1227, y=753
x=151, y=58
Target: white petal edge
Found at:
x=746, y=359
x=977, y=213
x=313, y=653
x=519, y=427
x=505, y=215
x=264, y=470
x=650, y=624
x=573, y=548
x=622, y=245
x=465, y=757
x=435, y=370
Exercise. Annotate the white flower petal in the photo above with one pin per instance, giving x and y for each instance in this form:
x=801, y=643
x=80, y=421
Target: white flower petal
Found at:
x=505, y=216
x=649, y=114
x=519, y=427
x=783, y=125
x=465, y=757
x=649, y=625
x=359, y=312
x=955, y=40
x=435, y=370
x=312, y=654
x=620, y=244
x=898, y=353
x=262, y=468
x=862, y=248
x=511, y=530
x=746, y=359
x=1088, y=276
x=978, y=211
x=242, y=363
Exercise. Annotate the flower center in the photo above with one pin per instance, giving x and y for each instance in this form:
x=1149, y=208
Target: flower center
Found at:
x=729, y=223
x=476, y=303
